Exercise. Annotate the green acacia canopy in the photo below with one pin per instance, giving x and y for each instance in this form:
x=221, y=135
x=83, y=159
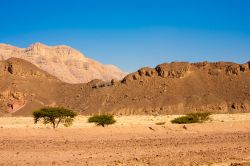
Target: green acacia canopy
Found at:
x=55, y=116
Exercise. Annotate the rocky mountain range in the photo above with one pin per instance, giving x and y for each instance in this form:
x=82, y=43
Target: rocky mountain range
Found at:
x=169, y=88
x=66, y=63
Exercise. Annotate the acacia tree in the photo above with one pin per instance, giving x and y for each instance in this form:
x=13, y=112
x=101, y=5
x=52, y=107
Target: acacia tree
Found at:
x=55, y=116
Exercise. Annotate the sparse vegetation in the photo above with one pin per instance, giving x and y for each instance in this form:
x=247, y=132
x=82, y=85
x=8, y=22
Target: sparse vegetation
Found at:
x=202, y=116
x=192, y=118
x=160, y=123
x=185, y=119
x=102, y=120
x=54, y=116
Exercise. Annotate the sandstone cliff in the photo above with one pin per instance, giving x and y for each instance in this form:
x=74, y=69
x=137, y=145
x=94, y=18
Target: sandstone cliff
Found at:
x=66, y=63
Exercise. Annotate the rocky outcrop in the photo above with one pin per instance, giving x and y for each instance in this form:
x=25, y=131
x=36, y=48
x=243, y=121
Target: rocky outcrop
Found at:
x=66, y=63
x=14, y=66
x=148, y=72
x=166, y=70
x=176, y=70
x=173, y=70
x=12, y=101
x=233, y=70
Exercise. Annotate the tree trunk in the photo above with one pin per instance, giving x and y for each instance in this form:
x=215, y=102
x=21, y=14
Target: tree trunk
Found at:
x=54, y=123
x=58, y=122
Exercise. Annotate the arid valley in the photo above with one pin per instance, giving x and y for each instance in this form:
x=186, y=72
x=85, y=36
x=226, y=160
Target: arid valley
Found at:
x=133, y=140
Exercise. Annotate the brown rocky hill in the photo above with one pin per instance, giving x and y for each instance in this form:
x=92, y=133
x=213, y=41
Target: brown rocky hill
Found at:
x=170, y=88
x=23, y=85
x=66, y=63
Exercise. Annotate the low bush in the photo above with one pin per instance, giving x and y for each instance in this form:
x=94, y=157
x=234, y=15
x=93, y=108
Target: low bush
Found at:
x=192, y=118
x=160, y=123
x=102, y=120
x=202, y=116
x=55, y=116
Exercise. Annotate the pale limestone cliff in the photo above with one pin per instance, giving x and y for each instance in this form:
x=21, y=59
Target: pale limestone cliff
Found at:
x=66, y=63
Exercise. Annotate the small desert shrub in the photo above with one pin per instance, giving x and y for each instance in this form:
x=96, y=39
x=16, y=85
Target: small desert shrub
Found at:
x=185, y=119
x=202, y=116
x=102, y=120
x=160, y=123
x=192, y=118
x=55, y=116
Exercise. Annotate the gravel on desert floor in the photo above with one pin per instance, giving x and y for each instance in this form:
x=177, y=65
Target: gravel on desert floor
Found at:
x=133, y=140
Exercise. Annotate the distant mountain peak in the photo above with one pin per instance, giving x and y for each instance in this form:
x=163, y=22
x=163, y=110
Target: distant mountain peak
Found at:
x=38, y=44
x=64, y=62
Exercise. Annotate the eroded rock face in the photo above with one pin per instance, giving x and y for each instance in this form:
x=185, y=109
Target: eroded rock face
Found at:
x=200, y=65
x=12, y=101
x=176, y=70
x=66, y=63
x=10, y=68
x=233, y=70
x=173, y=70
x=146, y=71
x=166, y=70
x=14, y=66
x=242, y=106
x=97, y=83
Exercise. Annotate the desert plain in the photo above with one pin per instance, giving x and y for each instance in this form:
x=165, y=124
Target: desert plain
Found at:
x=133, y=140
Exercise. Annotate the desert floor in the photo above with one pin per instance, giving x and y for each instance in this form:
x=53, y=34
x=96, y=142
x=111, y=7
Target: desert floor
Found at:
x=133, y=140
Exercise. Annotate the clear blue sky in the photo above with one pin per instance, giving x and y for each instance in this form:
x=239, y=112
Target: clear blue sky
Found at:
x=133, y=33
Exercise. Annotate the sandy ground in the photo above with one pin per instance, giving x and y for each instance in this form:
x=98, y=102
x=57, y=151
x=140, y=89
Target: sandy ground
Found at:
x=133, y=140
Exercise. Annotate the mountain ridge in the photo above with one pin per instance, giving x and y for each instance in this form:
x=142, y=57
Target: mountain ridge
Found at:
x=169, y=88
x=64, y=62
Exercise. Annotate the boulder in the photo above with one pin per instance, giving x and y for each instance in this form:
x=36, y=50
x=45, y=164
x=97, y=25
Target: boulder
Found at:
x=233, y=70
x=200, y=65
x=147, y=71
x=96, y=83
x=173, y=70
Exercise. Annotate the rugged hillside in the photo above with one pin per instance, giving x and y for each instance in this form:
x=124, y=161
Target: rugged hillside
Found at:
x=64, y=62
x=170, y=88
x=24, y=87
x=173, y=88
